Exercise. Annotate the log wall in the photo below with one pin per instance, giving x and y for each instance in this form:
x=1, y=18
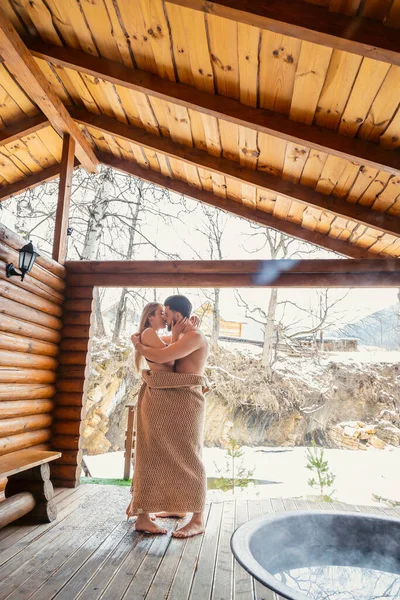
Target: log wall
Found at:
x=30, y=333
x=70, y=399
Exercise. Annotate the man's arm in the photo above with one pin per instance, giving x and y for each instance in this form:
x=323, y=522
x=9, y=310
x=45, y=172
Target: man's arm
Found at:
x=186, y=345
x=166, y=338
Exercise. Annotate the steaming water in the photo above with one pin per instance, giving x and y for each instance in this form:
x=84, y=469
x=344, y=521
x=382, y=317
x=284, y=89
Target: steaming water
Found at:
x=358, y=576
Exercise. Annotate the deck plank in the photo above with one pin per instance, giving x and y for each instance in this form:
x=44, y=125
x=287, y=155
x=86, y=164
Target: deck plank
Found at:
x=91, y=552
x=183, y=579
x=49, y=550
x=204, y=576
x=243, y=586
x=223, y=577
x=25, y=535
x=117, y=572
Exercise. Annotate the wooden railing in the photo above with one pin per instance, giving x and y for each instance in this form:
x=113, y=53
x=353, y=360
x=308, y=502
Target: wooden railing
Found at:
x=130, y=436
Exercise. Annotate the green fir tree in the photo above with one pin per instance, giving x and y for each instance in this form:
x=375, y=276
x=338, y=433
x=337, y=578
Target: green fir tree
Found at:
x=322, y=478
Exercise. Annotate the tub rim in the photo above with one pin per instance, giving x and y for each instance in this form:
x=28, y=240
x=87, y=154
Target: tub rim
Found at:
x=240, y=545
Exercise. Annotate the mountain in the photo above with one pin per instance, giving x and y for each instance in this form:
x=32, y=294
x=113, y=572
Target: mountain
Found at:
x=380, y=329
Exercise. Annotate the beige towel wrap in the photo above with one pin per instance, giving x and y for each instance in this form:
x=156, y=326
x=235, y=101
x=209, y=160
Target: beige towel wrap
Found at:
x=169, y=473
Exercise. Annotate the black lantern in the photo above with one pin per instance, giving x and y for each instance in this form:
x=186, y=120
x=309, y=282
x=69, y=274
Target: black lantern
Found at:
x=27, y=256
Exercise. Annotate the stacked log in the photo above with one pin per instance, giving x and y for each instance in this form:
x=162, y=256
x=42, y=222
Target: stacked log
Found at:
x=30, y=326
x=37, y=482
x=70, y=399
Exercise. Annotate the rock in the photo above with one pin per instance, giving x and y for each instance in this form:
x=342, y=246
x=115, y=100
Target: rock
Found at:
x=376, y=442
x=389, y=434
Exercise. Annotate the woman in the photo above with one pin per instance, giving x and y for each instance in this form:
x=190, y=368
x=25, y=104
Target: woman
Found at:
x=152, y=321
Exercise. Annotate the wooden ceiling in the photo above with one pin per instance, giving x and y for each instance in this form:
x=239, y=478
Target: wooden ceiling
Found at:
x=286, y=113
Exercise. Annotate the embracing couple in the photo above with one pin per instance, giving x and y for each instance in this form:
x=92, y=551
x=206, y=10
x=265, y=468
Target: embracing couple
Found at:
x=169, y=477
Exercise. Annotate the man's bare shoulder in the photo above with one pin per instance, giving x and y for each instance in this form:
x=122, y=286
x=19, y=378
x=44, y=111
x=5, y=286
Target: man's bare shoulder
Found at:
x=196, y=334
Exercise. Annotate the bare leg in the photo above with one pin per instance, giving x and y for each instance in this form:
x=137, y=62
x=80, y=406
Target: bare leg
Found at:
x=194, y=527
x=165, y=515
x=144, y=522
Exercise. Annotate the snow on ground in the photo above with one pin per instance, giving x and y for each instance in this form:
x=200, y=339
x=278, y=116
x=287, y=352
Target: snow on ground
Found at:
x=359, y=474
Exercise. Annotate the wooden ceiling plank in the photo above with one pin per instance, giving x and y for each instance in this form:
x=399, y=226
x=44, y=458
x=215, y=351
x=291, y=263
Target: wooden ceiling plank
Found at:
x=336, y=90
x=279, y=56
x=223, y=167
x=383, y=107
x=235, y=208
x=309, y=22
x=347, y=7
x=366, y=86
x=16, y=93
x=32, y=181
x=29, y=182
x=19, y=154
x=24, y=68
x=25, y=127
x=310, y=77
x=223, y=46
x=228, y=109
x=393, y=19
x=52, y=141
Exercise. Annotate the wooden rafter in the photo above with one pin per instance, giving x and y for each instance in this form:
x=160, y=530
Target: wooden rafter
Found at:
x=64, y=197
x=24, y=68
x=229, y=273
x=27, y=183
x=22, y=128
x=231, y=110
x=240, y=210
x=316, y=24
x=259, y=179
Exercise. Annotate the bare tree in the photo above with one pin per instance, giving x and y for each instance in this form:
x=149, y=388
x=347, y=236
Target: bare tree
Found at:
x=278, y=246
x=211, y=225
x=134, y=215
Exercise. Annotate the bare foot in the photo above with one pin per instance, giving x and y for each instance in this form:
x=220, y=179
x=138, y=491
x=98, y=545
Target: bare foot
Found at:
x=165, y=515
x=194, y=527
x=145, y=523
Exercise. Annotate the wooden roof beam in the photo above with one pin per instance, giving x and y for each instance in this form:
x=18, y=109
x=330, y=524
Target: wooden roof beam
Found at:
x=233, y=273
x=27, y=183
x=27, y=73
x=259, y=179
x=265, y=121
x=22, y=128
x=235, y=208
x=316, y=24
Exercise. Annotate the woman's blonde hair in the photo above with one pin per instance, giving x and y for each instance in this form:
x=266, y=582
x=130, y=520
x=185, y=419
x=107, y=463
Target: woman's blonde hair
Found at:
x=148, y=311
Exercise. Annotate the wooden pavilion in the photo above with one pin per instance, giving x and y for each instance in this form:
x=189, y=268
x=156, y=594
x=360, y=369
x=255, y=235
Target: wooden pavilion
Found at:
x=283, y=112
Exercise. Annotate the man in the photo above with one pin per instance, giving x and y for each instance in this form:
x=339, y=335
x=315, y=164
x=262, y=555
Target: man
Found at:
x=171, y=413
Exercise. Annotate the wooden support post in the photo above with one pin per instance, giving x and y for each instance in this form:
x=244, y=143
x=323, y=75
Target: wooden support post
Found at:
x=64, y=197
x=129, y=441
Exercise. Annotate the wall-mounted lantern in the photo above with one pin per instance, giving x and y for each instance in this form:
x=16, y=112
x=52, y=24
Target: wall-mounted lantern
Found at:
x=27, y=257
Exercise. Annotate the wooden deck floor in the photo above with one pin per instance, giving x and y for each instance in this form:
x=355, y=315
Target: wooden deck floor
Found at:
x=91, y=552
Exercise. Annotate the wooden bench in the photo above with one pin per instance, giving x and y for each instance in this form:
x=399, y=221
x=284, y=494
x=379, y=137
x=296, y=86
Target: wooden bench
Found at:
x=25, y=486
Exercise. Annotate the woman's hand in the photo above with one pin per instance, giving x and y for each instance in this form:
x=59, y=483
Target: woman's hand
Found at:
x=178, y=327
x=194, y=321
x=135, y=339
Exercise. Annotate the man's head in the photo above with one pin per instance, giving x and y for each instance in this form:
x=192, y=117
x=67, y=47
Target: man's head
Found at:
x=175, y=307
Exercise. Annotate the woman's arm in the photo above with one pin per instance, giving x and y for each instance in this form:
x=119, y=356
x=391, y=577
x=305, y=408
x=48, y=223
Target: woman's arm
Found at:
x=186, y=345
x=150, y=338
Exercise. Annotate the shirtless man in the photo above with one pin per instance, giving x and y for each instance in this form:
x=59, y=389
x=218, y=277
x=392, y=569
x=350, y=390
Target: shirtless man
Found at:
x=190, y=354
